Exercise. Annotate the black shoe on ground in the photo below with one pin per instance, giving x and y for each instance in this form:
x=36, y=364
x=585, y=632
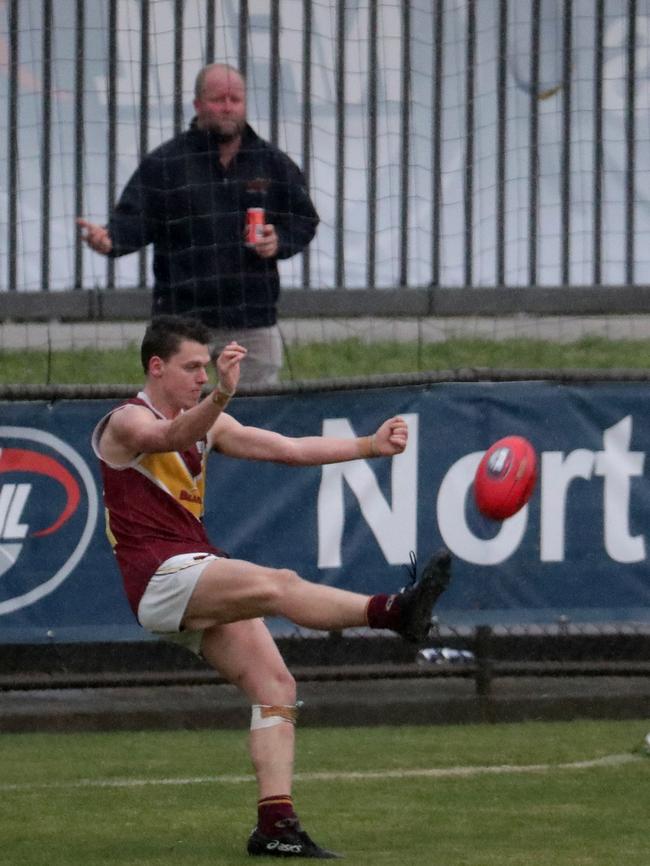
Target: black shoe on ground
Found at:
x=417, y=601
x=292, y=843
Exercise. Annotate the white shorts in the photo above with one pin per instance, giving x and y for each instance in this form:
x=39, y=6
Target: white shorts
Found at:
x=165, y=599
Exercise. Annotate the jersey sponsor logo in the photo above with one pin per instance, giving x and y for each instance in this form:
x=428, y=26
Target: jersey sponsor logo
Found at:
x=48, y=513
x=188, y=496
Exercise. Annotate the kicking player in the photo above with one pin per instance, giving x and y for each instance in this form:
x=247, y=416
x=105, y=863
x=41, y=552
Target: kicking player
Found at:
x=153, y=451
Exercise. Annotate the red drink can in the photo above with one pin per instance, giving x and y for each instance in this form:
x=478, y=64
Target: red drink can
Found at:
x=254, y=225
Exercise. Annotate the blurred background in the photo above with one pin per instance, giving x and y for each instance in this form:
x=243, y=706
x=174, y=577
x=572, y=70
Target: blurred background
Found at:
x=480, y=169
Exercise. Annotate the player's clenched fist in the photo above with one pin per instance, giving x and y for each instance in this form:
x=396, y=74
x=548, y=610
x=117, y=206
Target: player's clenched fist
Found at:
x=391, y=437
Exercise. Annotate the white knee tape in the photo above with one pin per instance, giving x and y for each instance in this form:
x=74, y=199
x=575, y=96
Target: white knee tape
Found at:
x=267, y=716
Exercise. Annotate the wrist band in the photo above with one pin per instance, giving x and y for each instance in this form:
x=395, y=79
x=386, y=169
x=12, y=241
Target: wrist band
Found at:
x=225, y=391
x=368, y=446
x=220, y=397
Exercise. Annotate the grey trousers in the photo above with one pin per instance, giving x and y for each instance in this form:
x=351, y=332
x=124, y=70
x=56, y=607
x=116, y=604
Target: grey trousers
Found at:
x=263, y=363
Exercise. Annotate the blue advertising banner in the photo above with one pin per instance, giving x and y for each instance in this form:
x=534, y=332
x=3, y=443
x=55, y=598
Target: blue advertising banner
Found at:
x=578, y=549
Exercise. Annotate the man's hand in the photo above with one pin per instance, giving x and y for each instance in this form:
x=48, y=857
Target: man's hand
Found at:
x=391, y=437
x=267, y=246
x=96, y=236
x=227, y=366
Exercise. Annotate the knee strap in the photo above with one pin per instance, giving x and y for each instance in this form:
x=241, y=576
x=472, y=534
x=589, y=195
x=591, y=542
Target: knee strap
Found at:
x=269, y=715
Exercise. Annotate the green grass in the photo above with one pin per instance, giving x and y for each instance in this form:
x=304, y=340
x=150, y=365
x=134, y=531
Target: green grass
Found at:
x=555, y=817
x=353, y=357
x=71, y=367
x=345, y=358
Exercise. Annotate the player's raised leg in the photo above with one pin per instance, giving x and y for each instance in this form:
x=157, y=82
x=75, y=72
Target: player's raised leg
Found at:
x=230, y=590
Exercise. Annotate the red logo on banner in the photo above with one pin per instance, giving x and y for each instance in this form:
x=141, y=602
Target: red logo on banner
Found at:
x=18, y=460
x=33, y=511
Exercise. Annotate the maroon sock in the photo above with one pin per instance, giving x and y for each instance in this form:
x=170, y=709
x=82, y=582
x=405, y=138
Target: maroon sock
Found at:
x=383, y=611
x=275, y=814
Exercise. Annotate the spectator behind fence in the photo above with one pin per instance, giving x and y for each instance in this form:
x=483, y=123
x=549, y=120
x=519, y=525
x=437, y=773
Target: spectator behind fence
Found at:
x=189, y=197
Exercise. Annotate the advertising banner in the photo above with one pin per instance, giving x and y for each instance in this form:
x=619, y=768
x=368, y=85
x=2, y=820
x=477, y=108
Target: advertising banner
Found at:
x=577, y=550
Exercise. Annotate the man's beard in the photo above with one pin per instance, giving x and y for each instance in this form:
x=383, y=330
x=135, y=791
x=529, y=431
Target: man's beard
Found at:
x=226, y=134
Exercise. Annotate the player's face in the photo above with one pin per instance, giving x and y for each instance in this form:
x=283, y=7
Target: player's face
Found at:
x=183, y=375
x=221, y=107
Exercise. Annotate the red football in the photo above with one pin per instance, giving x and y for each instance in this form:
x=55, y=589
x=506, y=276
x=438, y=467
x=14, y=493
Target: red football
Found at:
x=505, y=478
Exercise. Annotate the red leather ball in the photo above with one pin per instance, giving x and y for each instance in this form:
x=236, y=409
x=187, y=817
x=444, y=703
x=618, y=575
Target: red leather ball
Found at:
x=505, y=478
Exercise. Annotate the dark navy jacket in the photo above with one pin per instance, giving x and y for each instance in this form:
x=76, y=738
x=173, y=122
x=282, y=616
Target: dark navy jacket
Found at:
x=193, y=211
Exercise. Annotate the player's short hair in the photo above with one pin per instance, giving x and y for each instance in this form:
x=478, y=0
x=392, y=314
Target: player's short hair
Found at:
x=165, y=334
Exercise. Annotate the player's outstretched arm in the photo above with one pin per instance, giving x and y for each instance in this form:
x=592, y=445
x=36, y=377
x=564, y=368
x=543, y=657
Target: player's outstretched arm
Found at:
x=252, y=443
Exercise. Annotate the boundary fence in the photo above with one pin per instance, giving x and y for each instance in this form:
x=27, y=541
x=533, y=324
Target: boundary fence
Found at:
x=446, y=144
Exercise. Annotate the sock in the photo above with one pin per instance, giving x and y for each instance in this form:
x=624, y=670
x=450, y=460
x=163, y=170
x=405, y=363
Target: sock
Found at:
x=383, y=611
x=275, y=814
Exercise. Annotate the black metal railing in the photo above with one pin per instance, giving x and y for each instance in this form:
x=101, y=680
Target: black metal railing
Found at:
x=439, y=114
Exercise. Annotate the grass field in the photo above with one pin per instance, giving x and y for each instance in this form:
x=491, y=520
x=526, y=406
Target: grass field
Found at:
x=342, y=359
x=503, y=795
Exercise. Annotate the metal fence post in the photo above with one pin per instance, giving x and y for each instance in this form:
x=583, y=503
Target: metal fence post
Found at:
x=482, y=646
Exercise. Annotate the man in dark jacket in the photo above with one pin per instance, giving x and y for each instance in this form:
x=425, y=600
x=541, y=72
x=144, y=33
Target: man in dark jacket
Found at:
x=190, y=197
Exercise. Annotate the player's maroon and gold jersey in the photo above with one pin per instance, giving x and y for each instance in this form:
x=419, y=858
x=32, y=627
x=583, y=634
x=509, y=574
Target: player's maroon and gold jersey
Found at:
x=154, y=508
